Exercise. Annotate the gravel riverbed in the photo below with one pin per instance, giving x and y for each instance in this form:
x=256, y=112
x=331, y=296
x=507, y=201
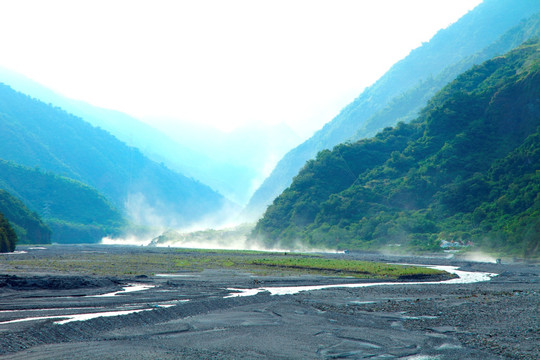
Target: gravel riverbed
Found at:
x=192, y=316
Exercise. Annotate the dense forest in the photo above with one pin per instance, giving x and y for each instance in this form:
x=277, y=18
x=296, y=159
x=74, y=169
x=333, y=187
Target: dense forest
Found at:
x=493, y=28
x=466, y=170
x=28, y=226
x=74, y=212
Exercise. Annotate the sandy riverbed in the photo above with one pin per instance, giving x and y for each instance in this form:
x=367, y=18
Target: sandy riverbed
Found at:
x=193, y=316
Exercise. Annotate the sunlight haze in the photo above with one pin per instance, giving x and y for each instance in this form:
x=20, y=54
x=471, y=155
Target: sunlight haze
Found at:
x=223, y=64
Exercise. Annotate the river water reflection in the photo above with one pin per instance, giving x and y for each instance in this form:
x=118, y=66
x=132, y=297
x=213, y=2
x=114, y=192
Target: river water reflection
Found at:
x=464, y=277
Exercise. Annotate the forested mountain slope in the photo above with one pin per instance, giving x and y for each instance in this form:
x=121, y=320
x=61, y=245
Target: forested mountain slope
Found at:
x=35, y=134
x=406, y=87
x=466, y=169
x=75, y=212
x=406, y=106
x=27, y=225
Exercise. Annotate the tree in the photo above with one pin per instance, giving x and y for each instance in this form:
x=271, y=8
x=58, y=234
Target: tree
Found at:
x=8, y=238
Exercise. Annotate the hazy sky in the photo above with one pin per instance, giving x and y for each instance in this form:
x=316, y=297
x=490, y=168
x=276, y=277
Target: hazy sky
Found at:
x=225, y=62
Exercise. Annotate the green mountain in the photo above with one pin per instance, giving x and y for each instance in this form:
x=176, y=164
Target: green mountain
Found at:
x=27, y=225
x=465, y=170
x=492, y=28
x=75, y=212
x=35, y=134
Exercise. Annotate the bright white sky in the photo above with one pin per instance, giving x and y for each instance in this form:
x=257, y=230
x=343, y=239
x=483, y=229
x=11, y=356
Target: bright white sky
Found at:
x=223, y=63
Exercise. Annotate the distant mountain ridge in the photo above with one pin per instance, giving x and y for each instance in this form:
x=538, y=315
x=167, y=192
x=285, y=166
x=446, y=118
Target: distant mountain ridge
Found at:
x=406, y=87
x=466, y=170
x=239, y=159
x=230, y=163
x=35, y=134
x=135, y=133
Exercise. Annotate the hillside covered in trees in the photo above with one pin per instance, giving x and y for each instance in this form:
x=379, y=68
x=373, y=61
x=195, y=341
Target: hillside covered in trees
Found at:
x=466, y=169
x=493, y=28
x=27, y=225
x=75, y=212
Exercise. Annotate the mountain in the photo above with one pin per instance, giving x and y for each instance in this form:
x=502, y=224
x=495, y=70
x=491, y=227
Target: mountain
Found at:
x=224, y=161
x=151, y=142
x=409, y=84
x=34, y=134
x=74, y=212
x=465, y=170
x=27, y=225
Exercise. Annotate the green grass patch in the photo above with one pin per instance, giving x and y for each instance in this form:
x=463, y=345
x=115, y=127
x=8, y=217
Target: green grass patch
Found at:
x=345, y=267
x=132, y=264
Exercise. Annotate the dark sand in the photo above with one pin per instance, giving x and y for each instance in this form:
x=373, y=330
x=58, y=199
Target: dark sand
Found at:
x=497, y=319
